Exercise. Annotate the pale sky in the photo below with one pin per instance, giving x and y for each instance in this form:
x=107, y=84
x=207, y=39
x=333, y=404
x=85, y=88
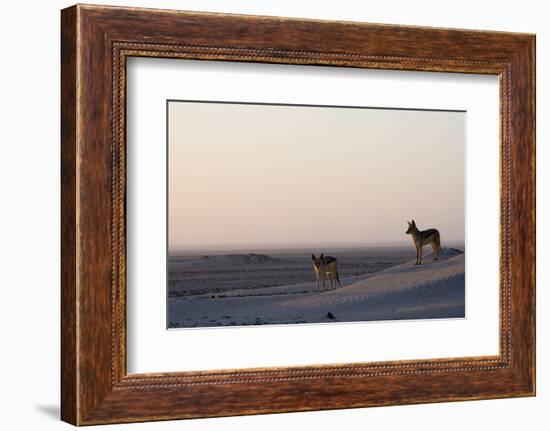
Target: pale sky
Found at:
x=261, y=176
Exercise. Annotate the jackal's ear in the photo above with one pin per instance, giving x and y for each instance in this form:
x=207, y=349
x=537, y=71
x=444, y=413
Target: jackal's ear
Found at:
x=322, y=256
x=409, y=223
x=413, y=223
x=312, y=257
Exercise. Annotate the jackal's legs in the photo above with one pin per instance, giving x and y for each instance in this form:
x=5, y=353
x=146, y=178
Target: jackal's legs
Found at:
x=418, y=255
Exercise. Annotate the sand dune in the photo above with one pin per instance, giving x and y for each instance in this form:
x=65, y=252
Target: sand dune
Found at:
x=432, y=290
x=241, y=273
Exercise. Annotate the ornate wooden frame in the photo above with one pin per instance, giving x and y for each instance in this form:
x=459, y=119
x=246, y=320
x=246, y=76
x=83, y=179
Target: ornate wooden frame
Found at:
x=95, y=42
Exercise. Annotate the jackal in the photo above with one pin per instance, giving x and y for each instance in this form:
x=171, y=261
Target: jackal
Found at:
x=326, y=267
x=422, y=238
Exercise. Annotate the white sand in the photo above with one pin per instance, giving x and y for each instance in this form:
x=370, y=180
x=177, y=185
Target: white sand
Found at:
x=432, y=290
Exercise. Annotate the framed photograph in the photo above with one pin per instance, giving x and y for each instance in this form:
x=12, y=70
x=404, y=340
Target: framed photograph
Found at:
x=265, y=214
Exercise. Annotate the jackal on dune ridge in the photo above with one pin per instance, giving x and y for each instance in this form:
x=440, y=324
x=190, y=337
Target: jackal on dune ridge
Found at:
x=422, y=238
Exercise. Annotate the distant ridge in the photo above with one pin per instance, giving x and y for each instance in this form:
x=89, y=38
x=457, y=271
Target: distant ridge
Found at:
x=248, y=258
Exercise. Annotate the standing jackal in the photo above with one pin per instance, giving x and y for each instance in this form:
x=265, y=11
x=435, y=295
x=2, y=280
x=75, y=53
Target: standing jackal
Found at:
x=326, y=267
x=422, y=238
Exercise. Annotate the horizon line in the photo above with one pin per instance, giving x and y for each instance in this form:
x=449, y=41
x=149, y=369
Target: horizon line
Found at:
x=250, y=247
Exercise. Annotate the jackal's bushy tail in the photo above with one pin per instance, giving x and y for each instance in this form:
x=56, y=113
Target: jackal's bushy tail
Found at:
x=438, y=240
